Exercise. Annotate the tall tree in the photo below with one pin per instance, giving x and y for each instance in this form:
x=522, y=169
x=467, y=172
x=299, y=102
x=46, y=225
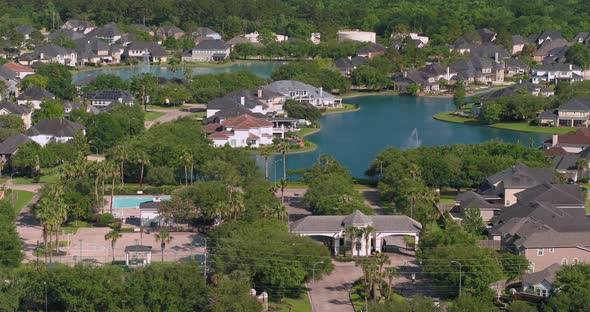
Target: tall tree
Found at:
x=113, y=236
x=163, y=238
x=143, y=160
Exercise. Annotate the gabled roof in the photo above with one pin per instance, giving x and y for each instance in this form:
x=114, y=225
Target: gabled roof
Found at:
x=245, y=122
x=153, y=48
x=470, y=199
x=548, y=274
x=372, y=48
x=16, y=67
x=489, y=51
x=555, y=194
x=221, y=135
x=581, y=36
x=7, y=74
x=284, y=86
x=14, y=108
x=518, y=40
x=67, y=33
x=58, y=127
x=579, y=137
x=577, y=104
x=233, y=101
x=111, y=94
x=11, y=144
x=35, y=93
x=549, y=45
x=204, y=32
x=486, y=34
x=210, y=44
x=382, y=223
x=521, y=176
x=50, y=50
x=109, y=30
x=549, y=33
x=554, y=151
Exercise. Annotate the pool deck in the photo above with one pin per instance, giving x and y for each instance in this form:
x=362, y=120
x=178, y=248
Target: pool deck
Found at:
x=125, y=212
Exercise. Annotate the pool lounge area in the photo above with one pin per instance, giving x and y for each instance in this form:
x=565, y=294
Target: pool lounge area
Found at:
x=124, y=202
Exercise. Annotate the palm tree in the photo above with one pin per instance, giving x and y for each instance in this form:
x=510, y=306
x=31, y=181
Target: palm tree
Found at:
x=143, y=160
x=164, y=238
x=113, y=172
x=282, y=146
x=283, y=185
x=98, y=169
x=222, y=209
x=2, y=164
x=266, y=152
x=121, y=155
x=43, y=212
x=382, y=259
x=351, y=232
x=113, y=236
x=390, y=273
x=581, y=165
x=186, y=158
x=367, y=232
x=60, y=211
x=236, y=205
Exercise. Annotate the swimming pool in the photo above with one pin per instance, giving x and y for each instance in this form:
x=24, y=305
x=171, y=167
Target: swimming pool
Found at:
x=133, y=202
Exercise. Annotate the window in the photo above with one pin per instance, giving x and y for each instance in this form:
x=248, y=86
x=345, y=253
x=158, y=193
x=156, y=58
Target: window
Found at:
x=537, y=291
x=544, y=292
x=564, y=261
x=551, y=250
x=540, y=251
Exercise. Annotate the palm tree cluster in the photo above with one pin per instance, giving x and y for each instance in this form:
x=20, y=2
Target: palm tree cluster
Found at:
x=356, y=233
x=52, y=212
x=374, y=274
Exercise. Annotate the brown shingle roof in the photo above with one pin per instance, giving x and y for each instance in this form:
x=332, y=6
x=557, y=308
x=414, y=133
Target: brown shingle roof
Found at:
x=220, y=135
x=15, y=67
x=555, y=151
x=246, y=122
x=578, y=137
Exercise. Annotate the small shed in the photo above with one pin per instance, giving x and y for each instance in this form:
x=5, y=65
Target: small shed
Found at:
x=138, y=255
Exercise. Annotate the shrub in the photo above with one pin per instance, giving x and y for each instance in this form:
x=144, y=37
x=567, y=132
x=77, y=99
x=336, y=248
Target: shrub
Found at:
x=159, y=176
x=106, y=218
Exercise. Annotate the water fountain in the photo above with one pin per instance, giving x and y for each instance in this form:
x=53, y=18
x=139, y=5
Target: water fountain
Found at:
x=413, y=140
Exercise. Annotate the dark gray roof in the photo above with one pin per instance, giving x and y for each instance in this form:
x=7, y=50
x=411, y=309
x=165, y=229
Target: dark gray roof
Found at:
x=357, y=219
x=67, y=33
x=489, y=51
x=84, y=81
x=344, y=63
x=515, y=62
x=36, y=94
x=138, y=248
x=90, y=46
x=111, y=94
x=7, y=74
x=11, y=144
x=486, y=34
x=58, y=127
x=560, y=195
x=230, y=113
x=513, y=90
x=549, y=114
x=50, y=50
x=204, y=31
x=211, y=45
x=470, y=199
x=14, y=108
x=25, y=29
x=521, y=176
x=372, y=48
x=549, y=45
x=552, y=34
x=110, y=30
x=581, y=36
x=577, y=104
x=548, y=274
x=382, y=223
x=232, y=101
x=153, y=48
x=518, y=39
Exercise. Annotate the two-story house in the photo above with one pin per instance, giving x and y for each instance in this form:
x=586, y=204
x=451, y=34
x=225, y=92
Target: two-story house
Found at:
x=427, y=83
x=302, y=92
x=146, y=51
x=8, y=108
x=50, y=53
x=169, y=31
x=371, y=51
x=58, y=130
x=207, y=51
x=478, y=70
x=94, y=50
x=242, y=131
x=34, y=96
x=109, y=33
x=573, y=113
x=234, y=100
x=554, y=73
x=106, y=98
x=19, y=70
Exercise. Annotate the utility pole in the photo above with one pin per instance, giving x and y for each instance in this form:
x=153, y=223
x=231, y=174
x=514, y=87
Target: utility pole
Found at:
x=460, y=269
x=143, y=98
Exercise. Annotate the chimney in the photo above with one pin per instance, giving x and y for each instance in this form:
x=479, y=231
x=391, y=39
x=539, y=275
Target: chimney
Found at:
x=259, y=93
x=350, y=58
x=448, y=73
x=554, y=141
x=242, y=100
x=321, y=92
x=497, y=57
x=571, y=67
x=405, y=74
x=41, y=55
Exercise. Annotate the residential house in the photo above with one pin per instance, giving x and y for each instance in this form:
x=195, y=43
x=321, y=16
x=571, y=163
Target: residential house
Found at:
x=243, y=131
x=110, y=33
x=25, y=30
x=58, y=130
x=518, y=43
x=567, y=164
x=540, y=283
x=19, y=70
x=65, y=33
x=514, y=67
x=205, y=33
x=545, y=49
x=427, y=83
x=347, y=64
x=242, y=39
x=573, y=113
x=572, y=142
x=34, y=95
x=230, y=112
x=582, y=38
x=235, y=100
x=68, y=107
x=356, y=35
x=83, y=82
x=169, y=31
x=371, y=51
x=524, y=87
x=272, y=100
x=548, y=35
x=419, y=41
x=486, y=35
x=505, y=184
x=50, y=53
x=208, y=51
x=8, y=108
x=146, y=51
x=10, y=146
x=491, y=52
x=302, y=92
x=83, y=27
x=10, y=79
x=489, y=205
x=94, y=50
x=105, y=98
x=478, y=70
x=557, y=55
x=462, y=46
x=556, y=72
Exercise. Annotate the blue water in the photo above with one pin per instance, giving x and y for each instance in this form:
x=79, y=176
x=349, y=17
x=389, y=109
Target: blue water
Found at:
x=355, y=138
x=133, y=202
x=261, y=69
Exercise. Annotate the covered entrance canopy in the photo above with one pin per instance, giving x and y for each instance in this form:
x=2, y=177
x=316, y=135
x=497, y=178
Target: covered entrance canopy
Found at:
x=334, y=227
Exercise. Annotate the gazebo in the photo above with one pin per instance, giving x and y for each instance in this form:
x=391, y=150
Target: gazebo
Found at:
x=331, y=229
x=139, y=255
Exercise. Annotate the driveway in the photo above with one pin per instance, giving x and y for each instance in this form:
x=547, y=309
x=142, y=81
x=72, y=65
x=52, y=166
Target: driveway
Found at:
x=332, y=292
x=27, y=226
x=172, y=114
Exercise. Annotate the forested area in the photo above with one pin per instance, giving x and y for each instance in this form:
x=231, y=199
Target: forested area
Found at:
x=442, y=21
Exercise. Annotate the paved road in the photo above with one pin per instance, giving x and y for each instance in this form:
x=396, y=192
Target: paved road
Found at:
x=27, y=225
x=172, y=114
x=332, y=292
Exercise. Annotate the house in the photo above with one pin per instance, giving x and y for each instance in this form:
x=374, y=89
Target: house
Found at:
x=514, y=67
x=242, y=39
x=94, y=50
x=146, y=51
x=58, y=130
x=34, y=95
x=19, y=70
x=556, y=72
x=109, y=32
x=371, y=51
x=231, y=112
x=83, y=82
x=65, y=33
x=272, y=100
x=572, y=142
x=105, y=98
x=462, y=46
x=548, y=35
x=546, y=232
x=568, y=165
x=486, y=35
x=25, y=30
x=302, y=92
x=50, y=53
x=428, y=84
x=419, y=41
x=235, y=100
x=79, y=26
x=10, y=79
x=557, y=55
x=356, y=35
x=330, y=230
x=149, y=213
x=546, y=47
x=10, y=146
x=243, y=131
x=68, y=107
x=582, y=38
x=347, y=64
x=518, y=43
x=540, y=283
x=491, y=52
x=208, y=51
x=169, y=31
x=524, y=87
x=8, y=108
x=505, y=184
x=205, y=33
x=574, y=113
x=478, y=70
x=489, y=205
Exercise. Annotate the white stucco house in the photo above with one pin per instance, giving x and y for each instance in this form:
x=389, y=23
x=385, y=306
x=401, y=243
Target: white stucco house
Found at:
x=331, y=230
x=241, y=131
x=58, y=130
x=207, y=51
x=557, y=72
x=302, y=92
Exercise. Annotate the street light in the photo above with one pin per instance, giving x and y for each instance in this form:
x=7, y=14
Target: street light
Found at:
x=459, y=263
x=313, y=272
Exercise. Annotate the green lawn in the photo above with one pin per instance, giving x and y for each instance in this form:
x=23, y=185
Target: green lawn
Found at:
x=447, y=200
x=21, y=198
x=514, y=126
x=151, y=116
x=165, y=107
x=73, y=227
x=303, y=131
x=587, y=206
x=345, y=108
x=200, y=114
x=48, y=175
x=301, y=304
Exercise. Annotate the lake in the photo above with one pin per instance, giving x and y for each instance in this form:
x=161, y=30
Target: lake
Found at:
x=355, y=138
x=261, y=69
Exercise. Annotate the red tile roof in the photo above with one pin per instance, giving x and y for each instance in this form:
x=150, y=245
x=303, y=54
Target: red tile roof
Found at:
x=246, y=122
x=213, y=127
x=220, y=135
x=578, y=137
x=15, y=67
x=253, y=136
x=555, y=151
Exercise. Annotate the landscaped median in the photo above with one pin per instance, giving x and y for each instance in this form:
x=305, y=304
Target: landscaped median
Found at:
x=514, y=126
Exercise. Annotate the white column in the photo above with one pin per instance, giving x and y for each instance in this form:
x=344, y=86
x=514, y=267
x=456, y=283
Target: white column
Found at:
x=127, y=259
x=336, y=245
x=416, y=239
x=378, y=242
x=363, y=251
